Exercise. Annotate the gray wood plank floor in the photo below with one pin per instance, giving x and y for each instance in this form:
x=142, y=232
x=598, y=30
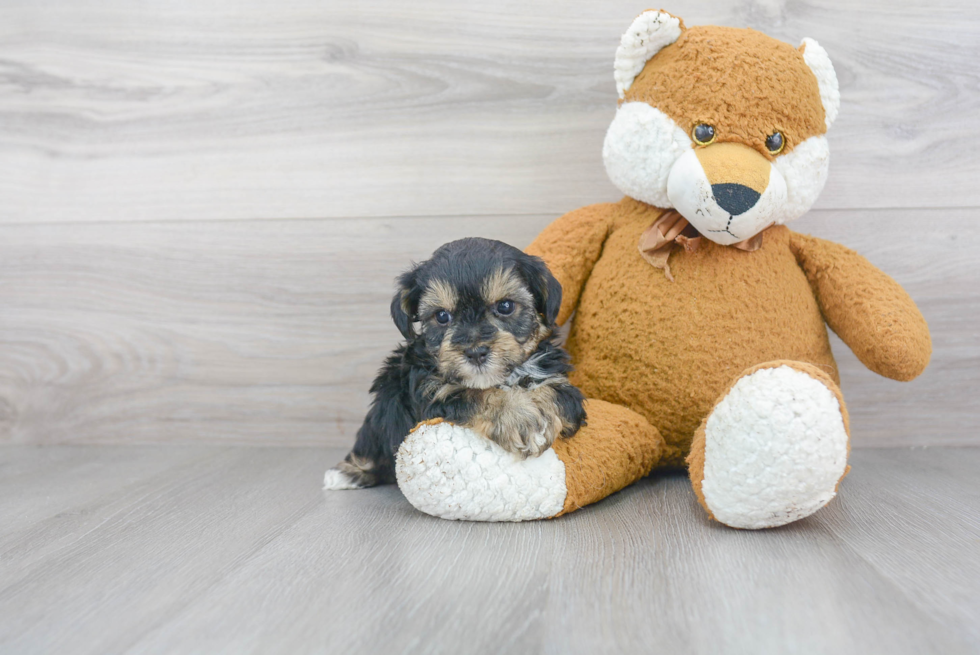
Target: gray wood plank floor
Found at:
x=209, y=549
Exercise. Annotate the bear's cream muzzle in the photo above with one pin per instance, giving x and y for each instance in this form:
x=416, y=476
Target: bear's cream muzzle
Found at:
x=727, y=191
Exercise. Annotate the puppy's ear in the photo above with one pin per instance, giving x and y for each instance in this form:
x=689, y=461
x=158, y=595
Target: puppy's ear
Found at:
x=405, y=303
x=544, y=287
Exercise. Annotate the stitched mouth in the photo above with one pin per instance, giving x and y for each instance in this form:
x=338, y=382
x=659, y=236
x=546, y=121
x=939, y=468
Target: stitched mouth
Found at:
x=727, y=225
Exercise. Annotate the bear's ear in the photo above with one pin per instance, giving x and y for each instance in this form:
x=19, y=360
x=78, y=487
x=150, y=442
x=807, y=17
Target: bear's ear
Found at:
x=650, y=31
x=818, y=61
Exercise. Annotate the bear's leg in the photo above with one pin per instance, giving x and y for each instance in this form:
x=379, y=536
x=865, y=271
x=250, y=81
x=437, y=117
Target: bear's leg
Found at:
x=774, y=447
x=451, y=472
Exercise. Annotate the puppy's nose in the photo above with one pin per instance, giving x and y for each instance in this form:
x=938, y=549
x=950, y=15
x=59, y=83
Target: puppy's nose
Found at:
x=477, y=355
x=735, y=198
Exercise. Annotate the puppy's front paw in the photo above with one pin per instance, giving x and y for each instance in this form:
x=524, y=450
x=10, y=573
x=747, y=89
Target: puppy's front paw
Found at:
x=517, y=421
x=526, y=434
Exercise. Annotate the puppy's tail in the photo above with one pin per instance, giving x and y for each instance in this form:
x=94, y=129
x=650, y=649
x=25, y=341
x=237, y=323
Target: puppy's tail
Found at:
x=354, y=472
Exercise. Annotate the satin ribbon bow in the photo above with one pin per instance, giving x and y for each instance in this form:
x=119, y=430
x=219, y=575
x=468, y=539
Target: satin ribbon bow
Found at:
x=671, y=230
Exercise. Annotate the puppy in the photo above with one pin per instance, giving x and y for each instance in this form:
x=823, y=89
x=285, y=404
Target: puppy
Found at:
x=480, y=351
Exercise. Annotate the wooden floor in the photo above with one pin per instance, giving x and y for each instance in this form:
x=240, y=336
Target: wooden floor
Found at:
x=204, y=206
x=185, y=549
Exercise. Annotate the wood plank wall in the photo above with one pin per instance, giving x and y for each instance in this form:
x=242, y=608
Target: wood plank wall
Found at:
x=202, y=204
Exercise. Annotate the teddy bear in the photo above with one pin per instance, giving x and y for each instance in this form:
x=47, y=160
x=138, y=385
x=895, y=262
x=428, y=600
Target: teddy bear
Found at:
x=699, y=320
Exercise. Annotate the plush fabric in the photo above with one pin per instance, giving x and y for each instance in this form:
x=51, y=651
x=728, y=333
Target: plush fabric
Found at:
x=866, y=308
x=651, y=31
x=819, y=62
x=616, y=448
x=709, y=348
x=450, y=472
x=744, y=83
x=764, y=456
x=668, y=349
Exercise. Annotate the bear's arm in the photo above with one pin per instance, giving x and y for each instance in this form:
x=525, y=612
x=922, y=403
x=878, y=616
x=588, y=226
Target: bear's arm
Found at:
x=867, y=309
x=570, y=246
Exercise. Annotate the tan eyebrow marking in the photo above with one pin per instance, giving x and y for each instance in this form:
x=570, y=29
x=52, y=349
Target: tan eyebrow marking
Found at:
x=439, y=295
x=503, y=284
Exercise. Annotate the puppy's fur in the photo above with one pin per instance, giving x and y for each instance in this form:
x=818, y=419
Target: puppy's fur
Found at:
x=479, y=323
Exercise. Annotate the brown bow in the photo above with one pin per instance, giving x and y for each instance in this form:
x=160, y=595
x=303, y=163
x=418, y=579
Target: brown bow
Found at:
x=672, y=229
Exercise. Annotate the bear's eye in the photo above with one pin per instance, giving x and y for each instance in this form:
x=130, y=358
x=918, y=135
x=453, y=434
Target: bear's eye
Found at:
x=505, y=307
x=703, y=134
x=443, y=317
x=775, y=143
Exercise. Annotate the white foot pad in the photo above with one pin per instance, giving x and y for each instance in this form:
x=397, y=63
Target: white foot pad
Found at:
x=453, y=473
x=775, y=449
x=335, y=479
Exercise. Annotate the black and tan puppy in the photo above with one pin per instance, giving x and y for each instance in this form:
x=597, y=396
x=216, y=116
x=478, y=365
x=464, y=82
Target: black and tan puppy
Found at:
x=481, y=351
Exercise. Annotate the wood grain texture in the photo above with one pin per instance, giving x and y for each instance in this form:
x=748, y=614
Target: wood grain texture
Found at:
x=220, y=109
x=269, y=332
x=136, y=306
x=176, y=549
x=259, y=332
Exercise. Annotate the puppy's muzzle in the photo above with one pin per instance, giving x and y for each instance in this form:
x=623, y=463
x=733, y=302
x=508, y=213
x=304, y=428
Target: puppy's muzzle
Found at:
x=477, y=355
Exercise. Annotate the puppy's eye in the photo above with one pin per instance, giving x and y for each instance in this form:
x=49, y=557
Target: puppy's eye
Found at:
x=775, y=143
x=505, y=307
x=703, y=134
x=443, y=317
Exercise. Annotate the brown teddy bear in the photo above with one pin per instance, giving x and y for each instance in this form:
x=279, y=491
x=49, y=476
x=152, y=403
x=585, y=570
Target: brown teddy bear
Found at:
x=700, y=320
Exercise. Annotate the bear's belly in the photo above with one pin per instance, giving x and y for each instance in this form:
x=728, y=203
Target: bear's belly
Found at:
x=669, y=349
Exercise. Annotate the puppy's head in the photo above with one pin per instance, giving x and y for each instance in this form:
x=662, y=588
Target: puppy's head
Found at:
x=480, y=307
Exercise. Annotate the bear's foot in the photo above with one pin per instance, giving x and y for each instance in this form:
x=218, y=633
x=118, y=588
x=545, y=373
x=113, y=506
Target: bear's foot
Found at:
x=773, y=449
x=451, y=472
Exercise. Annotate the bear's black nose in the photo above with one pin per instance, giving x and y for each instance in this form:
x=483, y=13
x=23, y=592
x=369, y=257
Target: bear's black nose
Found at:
x=735, y=198
x=477, y=355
